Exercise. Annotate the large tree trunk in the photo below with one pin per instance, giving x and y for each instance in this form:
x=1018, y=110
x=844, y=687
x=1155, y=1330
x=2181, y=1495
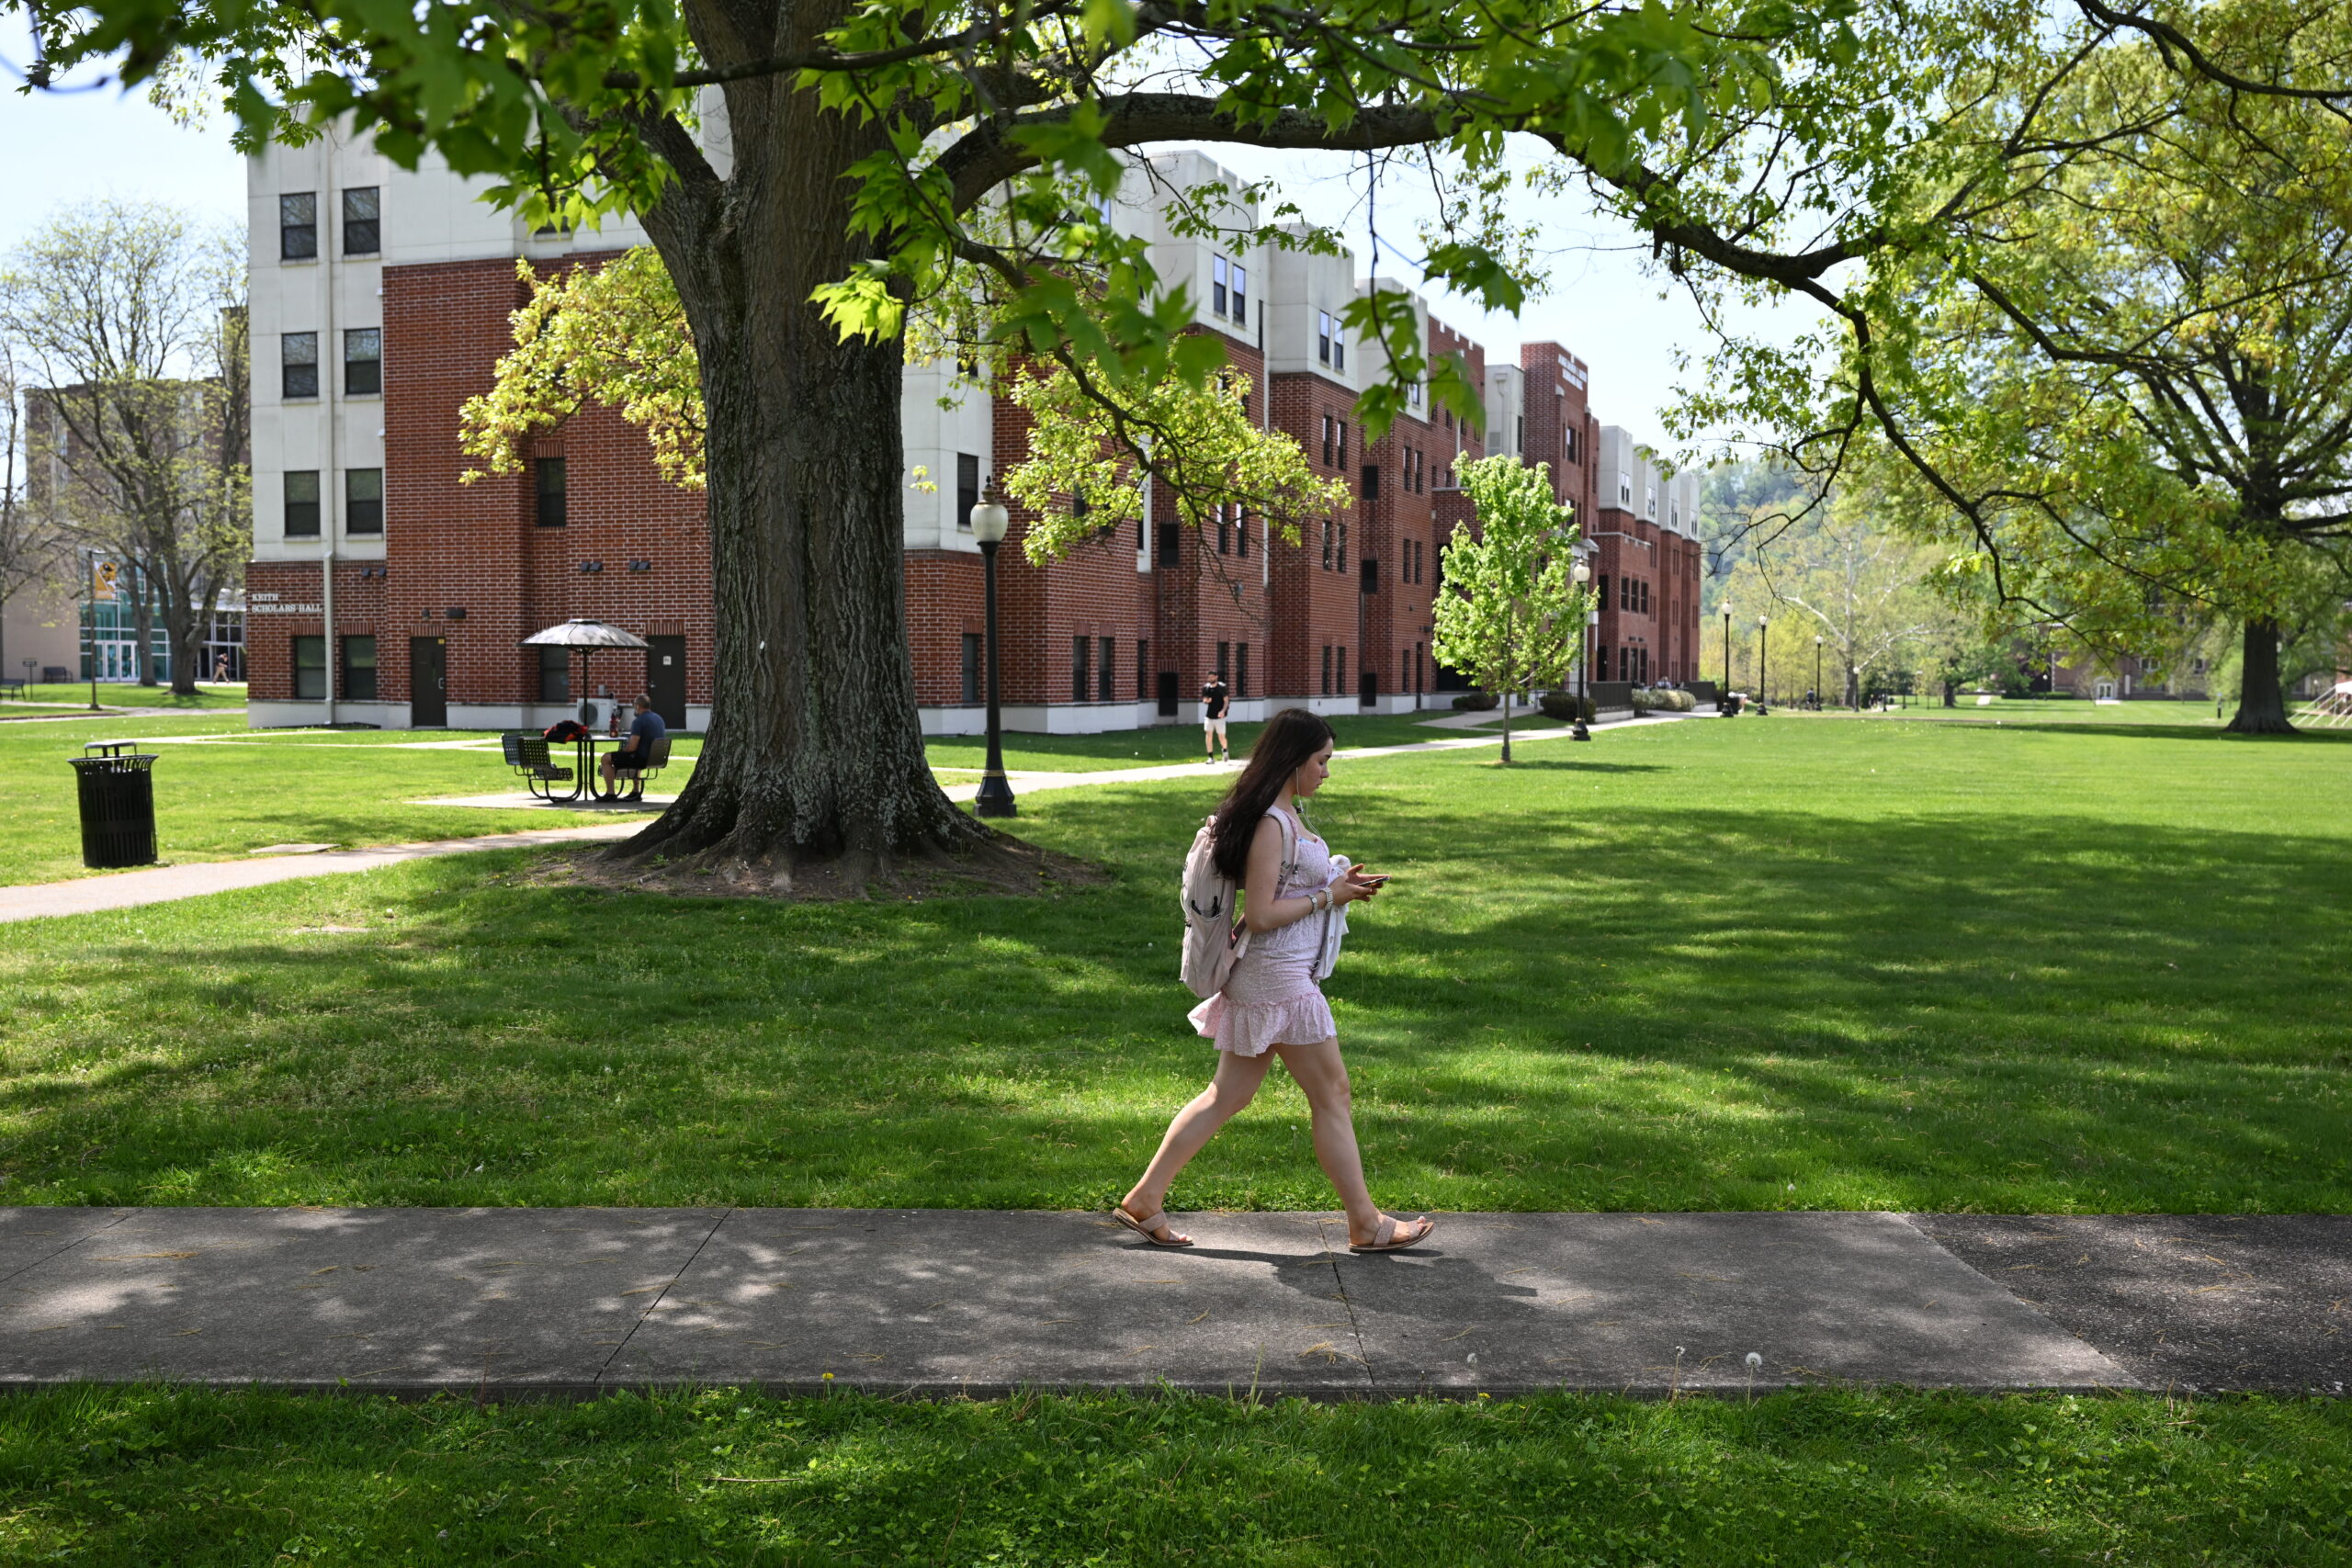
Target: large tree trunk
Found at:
x=2262, y=701
x=814, y=752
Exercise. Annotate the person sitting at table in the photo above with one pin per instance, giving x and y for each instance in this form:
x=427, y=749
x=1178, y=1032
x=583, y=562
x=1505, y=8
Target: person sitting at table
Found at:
x=637, y=746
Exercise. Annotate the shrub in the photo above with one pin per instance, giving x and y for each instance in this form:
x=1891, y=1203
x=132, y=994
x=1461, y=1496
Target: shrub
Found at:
x=1649, y=699
x=1562, y=705
x=1479, y=701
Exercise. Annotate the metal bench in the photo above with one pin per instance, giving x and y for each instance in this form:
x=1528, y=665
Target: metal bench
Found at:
x=11, y=688
x=527, y=755
x=638, y=772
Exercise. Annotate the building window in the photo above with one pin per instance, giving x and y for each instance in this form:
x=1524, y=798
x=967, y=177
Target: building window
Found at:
x=1240, y=672
x=968, y=489
x=1518, y=433
x=1143, y=667
x=1078, y=651
x=1224, y=530
x=1600, y=596
x=1340, y=658
x=1323, y=337
x=302, y=504
x=1344, y=548
x=1224, y=652
x=362, y=236
x=1576, y=447
x=1107, y=669
x=363, y=362
x=1327, y=423
x=297, y=355
x=1327, y=526
x=552, y=508
x=1342, y=425
x=1217, y=285
x=1327, y=669
x=971, y=669
x=359, y=669
x=1241, y=299
x=309, y=668
x=298, y=227
x=1241, y=529
x=363, y=500
x=555, y=675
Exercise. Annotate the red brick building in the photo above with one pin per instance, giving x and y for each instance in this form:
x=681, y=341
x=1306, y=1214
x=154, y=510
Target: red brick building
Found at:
x=385, y=591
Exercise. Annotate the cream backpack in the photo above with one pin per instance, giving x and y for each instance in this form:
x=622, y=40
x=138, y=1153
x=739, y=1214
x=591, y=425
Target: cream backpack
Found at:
x=1214, y=940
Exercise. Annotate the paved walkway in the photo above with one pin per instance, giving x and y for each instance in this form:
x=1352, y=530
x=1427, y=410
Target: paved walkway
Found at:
x=162, y=883
x=576, y=1301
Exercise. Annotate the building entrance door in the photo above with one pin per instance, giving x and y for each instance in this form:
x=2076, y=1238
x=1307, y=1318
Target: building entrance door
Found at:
x=665, y=678
x=428, y=682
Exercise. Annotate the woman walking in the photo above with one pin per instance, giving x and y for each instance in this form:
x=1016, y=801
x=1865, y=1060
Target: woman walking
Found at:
x=1270, y=1005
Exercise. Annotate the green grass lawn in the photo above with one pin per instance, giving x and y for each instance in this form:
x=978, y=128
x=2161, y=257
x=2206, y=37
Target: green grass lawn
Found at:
x=1705, y=966
x=191, y=1478
x=222, y=791
x=118, y=694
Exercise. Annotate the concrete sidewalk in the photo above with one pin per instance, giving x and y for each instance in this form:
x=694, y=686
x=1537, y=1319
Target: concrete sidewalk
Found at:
x=579, y=1300
x=162, y=883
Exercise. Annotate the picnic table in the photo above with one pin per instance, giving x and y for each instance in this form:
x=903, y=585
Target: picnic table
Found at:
x=533, y=757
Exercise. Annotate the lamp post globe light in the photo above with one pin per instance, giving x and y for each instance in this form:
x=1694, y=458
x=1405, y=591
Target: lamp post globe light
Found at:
x=989, y=522
x=1582, y=572
x=1763, y=701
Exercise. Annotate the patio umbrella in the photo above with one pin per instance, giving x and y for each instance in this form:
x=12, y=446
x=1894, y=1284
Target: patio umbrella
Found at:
x=584, y=635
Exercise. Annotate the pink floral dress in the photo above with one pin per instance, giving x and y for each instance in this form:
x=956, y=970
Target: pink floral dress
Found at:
x=1270, y=998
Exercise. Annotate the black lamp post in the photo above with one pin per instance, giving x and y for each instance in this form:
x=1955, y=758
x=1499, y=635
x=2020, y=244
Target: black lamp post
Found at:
x=1763, y=703
x=1817, y=671
x=1723, y=704
x=1582, y=572
x=988, y=519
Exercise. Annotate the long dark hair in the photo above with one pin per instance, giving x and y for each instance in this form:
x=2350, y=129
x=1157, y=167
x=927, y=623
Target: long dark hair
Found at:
x=1290, y=738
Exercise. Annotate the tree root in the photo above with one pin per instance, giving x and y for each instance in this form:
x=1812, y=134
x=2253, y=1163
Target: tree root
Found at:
x=997, y=865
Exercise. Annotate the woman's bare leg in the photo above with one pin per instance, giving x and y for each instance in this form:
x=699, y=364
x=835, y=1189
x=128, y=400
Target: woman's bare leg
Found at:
x=1236, y=1084
x=1322, y=1076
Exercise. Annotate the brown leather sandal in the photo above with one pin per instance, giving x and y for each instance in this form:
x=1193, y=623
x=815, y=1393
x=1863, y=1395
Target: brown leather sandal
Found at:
x=1393, y=1237
x=1148, y=1223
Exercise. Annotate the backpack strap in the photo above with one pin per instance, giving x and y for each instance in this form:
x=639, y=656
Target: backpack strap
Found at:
x=1290, y=844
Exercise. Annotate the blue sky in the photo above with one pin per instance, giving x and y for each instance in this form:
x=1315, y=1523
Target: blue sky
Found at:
x=66, y=148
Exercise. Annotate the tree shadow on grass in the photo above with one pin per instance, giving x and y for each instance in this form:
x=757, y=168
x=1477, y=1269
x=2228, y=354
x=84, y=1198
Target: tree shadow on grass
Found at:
x=1788, y=1010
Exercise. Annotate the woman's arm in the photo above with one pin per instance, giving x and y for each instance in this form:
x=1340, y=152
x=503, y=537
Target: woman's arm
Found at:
x=1265, y=868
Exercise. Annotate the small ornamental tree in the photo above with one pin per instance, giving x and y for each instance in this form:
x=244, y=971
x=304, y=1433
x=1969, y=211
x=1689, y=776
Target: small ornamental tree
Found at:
x=1510, y=615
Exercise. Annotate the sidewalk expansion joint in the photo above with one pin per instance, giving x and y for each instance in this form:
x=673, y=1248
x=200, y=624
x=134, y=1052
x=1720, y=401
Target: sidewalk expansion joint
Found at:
x=684, y=1269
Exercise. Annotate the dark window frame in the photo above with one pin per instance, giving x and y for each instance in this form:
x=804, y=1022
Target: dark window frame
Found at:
x=555, y=662
x=363, y=211
x=307, y=656
x=971, y=656
x=298, y=240
x=360, y=685
x=1107, y=669
x=1240, y=672
x=363, y=372
x=968, y=489
x=1080, y=667
x=550, y=504
x=303, y=514
x=363, y=514
x=298, y=376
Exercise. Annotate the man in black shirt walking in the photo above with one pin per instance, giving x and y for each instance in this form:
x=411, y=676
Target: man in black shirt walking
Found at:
x=1213, y=720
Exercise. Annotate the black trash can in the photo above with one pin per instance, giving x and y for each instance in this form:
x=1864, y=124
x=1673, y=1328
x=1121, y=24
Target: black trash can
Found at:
x=117, y=805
